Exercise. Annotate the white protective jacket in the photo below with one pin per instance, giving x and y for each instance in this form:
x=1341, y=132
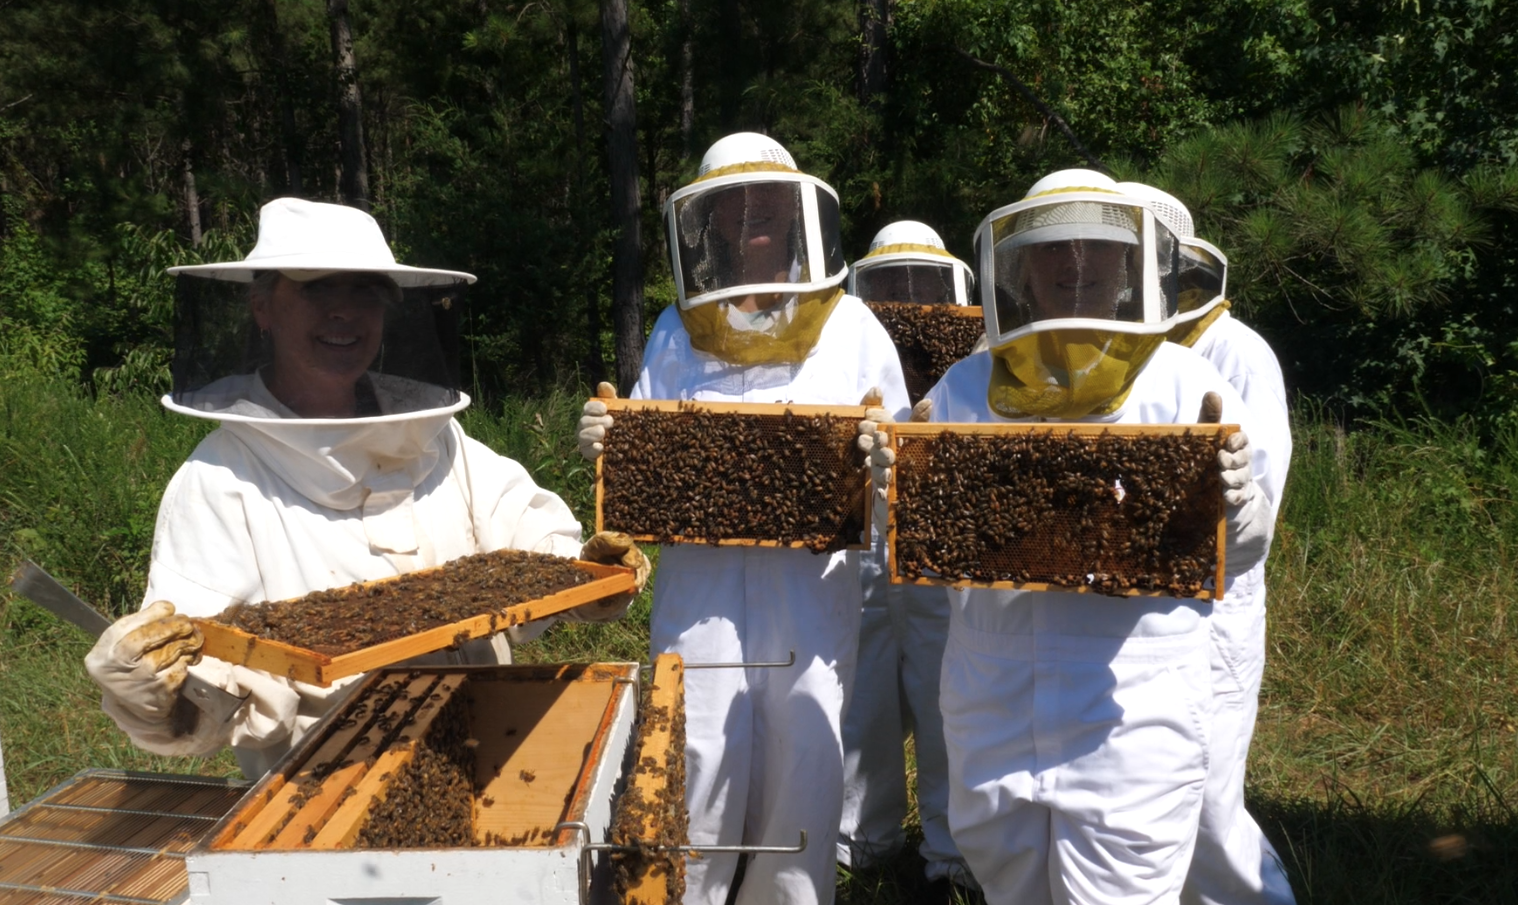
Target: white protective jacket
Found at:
x=1076, y=724
x=266, y=509
x=1234, y=863
x=764, y=758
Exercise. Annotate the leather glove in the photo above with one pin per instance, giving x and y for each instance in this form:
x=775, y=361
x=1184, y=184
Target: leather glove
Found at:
x=922, y=412
x=878, y=453
x=141, y=661
x=595, y=421
x=612, y=548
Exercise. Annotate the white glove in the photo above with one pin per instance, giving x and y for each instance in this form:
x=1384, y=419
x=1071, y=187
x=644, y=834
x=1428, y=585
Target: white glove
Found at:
x=595, y=422
x=922, y=412
x=141, y=661
x=878, y=453
x=1250, y=525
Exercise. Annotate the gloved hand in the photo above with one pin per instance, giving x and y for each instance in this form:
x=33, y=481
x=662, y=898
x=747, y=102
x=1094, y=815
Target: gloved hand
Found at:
x=612, y=548
x=1250, y=526
x=595, y=421
x=878, y=453
x=922, y=412
x=141, y=661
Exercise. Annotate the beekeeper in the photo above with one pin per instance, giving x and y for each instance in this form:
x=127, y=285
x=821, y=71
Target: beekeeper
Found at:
x=903, y=628
x=1234, y=862
x=337, y=460
x=1077, y=725
x=762, y=316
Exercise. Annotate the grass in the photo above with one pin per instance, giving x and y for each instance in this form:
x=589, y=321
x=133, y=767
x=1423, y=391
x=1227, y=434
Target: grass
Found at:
x=1385, y=764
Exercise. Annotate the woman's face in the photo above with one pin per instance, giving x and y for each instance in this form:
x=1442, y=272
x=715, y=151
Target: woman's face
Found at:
x=325, y=333
x=755, y=221
x=1077, y=278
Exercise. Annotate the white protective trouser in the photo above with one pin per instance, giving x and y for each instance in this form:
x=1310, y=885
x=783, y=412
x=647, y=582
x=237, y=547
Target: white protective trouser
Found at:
x=1076, y=763
x=903, y=629
x=764, y=759
x=1234, y=862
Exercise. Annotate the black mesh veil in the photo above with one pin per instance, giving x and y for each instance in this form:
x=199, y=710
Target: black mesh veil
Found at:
x=222, y=359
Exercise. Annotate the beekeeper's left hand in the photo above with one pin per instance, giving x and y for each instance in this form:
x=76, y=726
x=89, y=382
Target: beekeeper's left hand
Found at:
x=612, y=548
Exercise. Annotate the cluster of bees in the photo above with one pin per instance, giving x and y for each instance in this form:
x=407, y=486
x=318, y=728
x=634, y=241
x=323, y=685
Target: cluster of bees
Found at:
x=928, y=338
x=666, y=812
x=430, y=802
x=1110, y=513
x=341, y=620
x=706, y=476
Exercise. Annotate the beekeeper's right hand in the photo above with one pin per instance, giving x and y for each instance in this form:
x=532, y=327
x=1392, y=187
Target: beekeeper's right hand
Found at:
x=595, y=421
x=143, y=658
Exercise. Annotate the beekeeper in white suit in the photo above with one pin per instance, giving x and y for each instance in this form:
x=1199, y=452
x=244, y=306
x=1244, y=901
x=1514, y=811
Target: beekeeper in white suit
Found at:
x=337, y=460
x=903, y=628
x=1078, y=725
x=1234, y=862
x=762, y=317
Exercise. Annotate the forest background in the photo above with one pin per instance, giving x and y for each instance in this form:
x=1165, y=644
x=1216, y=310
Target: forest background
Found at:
x=1358, y=162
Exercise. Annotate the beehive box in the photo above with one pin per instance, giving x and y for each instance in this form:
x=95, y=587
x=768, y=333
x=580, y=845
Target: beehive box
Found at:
x=748, y=474
x=110, y=836
x=379, y=623
x=434, y=785
x=1112, y=509
x=929, y=339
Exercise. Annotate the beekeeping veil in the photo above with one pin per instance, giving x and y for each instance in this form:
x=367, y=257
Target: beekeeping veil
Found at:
x=754, y=245
x=1202, y=284
x=1079, y=287
x=907, y=262
x=324, y=261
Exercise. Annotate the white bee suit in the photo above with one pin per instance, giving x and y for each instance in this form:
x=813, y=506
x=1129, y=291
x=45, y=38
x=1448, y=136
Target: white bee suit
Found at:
x=268, y=509
x=764, y=758
x=902, y=635
x=1234, y=862
x=1077, y=725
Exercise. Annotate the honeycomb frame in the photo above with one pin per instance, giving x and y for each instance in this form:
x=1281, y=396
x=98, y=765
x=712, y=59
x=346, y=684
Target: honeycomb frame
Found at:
x=1097, y=577
x=851, y=497
x=910, y=350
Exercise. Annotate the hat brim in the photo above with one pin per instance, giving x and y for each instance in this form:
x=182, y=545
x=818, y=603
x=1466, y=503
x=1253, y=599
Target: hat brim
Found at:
x=244, y=271
x=1069, y=232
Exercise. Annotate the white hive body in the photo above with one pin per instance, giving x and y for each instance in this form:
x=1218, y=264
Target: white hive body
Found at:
x=542, y=758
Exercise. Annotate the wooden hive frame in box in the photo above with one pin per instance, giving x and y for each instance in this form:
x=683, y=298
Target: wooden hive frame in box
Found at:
x=1060, y=529
x=720, y=476
x=234, y=645
x=951, y=334
x=349, y=814
x=651, y=817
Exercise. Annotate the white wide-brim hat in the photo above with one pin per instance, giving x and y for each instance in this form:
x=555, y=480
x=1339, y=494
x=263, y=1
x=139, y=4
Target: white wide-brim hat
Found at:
x=309, y=239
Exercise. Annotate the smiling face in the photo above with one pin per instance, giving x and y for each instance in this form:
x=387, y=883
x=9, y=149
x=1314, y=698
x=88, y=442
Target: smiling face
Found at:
x=1076, y=278
x=755, y=221
x=325, y=333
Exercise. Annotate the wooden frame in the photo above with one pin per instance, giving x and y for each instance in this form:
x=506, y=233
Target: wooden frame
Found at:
x=847, y=412
x=648, y=882
x=897, y=432
x=224, y=642
x=975, y=311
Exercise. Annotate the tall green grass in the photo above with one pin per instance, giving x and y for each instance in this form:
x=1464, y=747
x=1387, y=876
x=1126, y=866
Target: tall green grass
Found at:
x=1385, y=764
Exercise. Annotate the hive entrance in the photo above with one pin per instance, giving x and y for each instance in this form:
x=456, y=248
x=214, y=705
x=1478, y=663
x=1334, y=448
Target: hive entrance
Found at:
x=744, y=474
x=929, y=339
x=1116, y=509
x=442, y=759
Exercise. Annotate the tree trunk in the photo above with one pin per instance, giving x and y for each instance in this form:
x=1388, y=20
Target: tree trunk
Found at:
x=191, y=198
x=354, y=179
x=687, y=80
x=622, y=147
x=595, y=361
x=874, y=18
x=291, y=143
